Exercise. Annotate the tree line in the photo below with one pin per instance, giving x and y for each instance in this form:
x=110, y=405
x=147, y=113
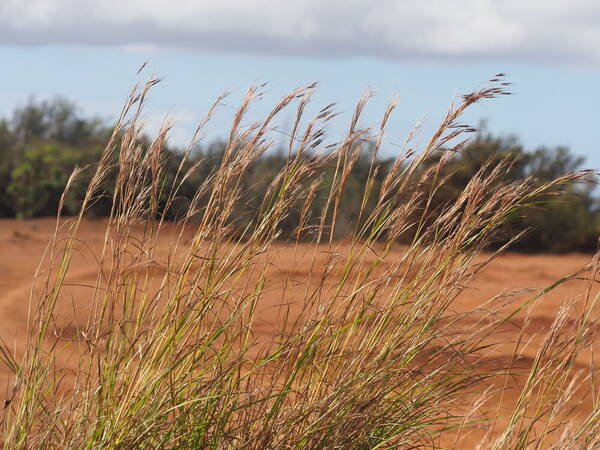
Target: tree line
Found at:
x=42, y=142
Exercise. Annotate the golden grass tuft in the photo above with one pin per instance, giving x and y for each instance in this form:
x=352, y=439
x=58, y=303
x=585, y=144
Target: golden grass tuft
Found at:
x=374, y=357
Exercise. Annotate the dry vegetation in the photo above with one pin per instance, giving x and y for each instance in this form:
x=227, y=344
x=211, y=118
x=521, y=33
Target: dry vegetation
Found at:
x=368, y=347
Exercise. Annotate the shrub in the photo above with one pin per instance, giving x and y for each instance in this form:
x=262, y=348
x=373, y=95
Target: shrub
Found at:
x=39, y=179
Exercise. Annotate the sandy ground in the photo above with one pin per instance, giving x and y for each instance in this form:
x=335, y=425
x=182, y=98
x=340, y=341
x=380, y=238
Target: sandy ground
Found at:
x=23, y=242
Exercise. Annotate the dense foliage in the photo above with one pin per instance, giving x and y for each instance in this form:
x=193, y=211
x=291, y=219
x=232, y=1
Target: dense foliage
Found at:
x=43, y=142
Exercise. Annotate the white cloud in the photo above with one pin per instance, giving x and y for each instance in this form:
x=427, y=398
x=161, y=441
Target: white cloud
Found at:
x=553, y=31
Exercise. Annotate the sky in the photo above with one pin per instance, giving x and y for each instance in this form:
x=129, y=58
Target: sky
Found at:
x=426, y=51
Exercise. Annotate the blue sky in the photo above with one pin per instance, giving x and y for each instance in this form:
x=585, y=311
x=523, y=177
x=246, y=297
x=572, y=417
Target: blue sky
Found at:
x=91, y=56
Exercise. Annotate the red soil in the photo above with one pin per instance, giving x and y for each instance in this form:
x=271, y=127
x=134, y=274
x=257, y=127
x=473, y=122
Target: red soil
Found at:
x=23, y=242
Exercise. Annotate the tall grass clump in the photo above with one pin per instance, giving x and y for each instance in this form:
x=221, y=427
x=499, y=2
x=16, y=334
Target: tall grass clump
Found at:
x=167, y=349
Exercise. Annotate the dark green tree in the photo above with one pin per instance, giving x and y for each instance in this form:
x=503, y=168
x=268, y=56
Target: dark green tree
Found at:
x=39, y=179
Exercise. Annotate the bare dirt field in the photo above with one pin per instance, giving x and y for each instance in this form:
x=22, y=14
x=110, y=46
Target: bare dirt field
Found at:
x=23, y=242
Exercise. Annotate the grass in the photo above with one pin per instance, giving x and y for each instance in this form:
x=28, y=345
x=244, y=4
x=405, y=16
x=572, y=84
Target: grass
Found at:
x=375, y=356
